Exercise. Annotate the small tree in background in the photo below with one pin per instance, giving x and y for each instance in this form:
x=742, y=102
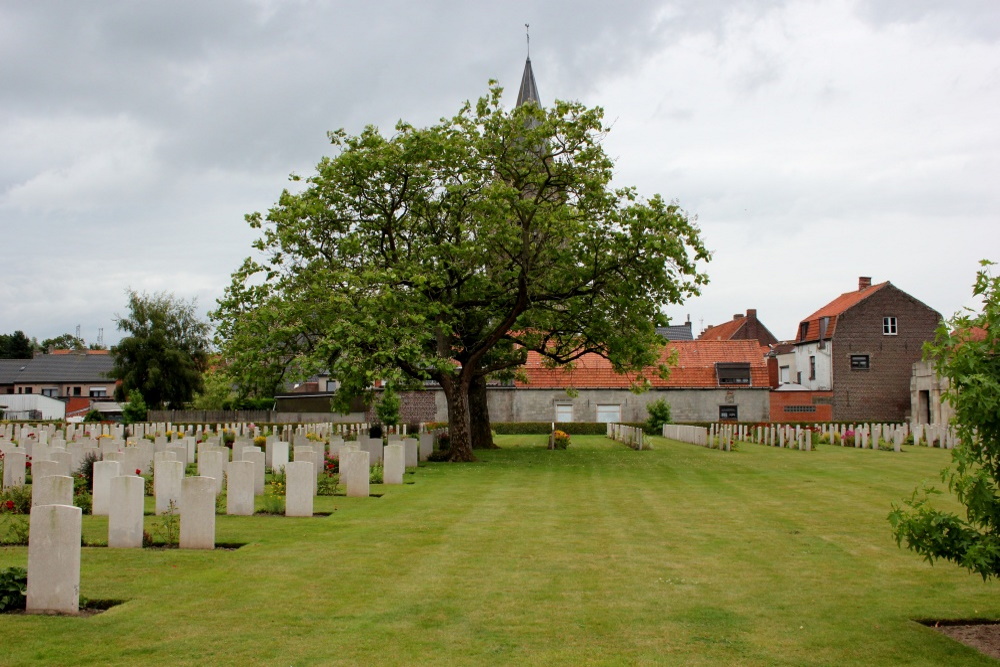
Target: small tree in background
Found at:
x=659, y=414
x=387, y=408
x=135, y=410
x=165, y=352
x=966, y=351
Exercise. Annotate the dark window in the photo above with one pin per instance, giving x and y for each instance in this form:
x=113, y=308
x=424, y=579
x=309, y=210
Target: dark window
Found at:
x=51, y=392
x=889, y=326
x=859, y=362
x=800, y=408
x=28, y=390
x=76, y=391
x=727, y=413
x=733, y=372
x=803, y=330
x=812, y=368
x=98, y=392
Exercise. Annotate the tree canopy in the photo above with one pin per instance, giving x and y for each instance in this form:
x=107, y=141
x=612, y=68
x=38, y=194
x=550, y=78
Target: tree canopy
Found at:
x=64, y=342
x=446, y=253
x=966, y=351
x=16, y=346
x=165, y=352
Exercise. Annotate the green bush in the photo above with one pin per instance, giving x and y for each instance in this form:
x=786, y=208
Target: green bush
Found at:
x=375, y=475
x=13, y=588
x=85, y=502
x=659, y=414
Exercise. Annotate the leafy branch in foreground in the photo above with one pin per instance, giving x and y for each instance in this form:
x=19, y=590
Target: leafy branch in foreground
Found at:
x=965, y=351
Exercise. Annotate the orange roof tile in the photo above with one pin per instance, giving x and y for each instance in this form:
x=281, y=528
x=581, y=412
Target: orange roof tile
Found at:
x=832, y=310
x=724, y=331
x=695, y=368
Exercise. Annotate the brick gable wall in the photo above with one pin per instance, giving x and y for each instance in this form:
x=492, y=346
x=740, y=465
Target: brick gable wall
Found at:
x=881, y=393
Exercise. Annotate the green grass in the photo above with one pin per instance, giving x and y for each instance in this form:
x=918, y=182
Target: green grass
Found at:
x=593, y=555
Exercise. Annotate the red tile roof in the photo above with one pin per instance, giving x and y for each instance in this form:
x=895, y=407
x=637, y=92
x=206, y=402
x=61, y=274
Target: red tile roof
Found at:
x=695, y=368
x=723, y=331
x=832, y=310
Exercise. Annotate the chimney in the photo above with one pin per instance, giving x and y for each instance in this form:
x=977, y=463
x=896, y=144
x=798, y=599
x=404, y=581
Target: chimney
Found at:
x=737, y=316
x=752, y=313
x=864, y=282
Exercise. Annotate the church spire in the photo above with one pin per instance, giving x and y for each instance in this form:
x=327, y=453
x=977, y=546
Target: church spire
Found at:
x=528, y=91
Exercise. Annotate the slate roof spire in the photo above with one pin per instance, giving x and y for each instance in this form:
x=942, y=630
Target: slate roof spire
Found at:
x=528, y=91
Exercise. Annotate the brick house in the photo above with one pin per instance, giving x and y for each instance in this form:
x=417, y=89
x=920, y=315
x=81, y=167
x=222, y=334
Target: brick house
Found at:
x=861, y=348
x=710, y=381
x=741, y=327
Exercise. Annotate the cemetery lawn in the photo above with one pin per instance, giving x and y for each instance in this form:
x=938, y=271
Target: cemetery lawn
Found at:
x=593, y=555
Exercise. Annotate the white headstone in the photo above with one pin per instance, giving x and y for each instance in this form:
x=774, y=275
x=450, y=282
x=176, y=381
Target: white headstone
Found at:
x=197, y=513
x=167, y=478
x=354, y=473
x=213, y=464
x=395, y=464
x=279, y=455
x=52, y=490
x=257, y=458
x=104, y=471
x=240, y=488
x=299, y=480
x=54, y=559
x=125, y=513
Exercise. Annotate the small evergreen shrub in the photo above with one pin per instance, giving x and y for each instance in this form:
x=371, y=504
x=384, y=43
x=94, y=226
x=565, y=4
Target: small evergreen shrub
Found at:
x=659, y=414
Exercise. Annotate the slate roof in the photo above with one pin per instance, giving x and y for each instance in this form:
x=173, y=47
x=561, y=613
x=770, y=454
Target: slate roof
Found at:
x=695, y=368
x=833, y=310
x=528, y=92
x=676, y=332
x=10, y=368
x=56, y=368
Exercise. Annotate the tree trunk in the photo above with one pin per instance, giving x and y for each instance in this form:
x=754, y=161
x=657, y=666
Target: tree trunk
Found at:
x=460, y=445
x=480, y=430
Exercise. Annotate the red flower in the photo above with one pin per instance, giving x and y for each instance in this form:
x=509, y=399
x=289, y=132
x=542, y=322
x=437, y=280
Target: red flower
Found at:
x=10, y=505
x=27, y=464
x=138, y=472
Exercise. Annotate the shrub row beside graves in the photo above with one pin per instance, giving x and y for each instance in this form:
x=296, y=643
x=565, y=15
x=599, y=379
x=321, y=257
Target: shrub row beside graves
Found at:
x=545, y=428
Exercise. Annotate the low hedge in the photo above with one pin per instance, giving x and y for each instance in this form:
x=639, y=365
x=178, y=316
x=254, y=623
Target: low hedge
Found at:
x=544, y=428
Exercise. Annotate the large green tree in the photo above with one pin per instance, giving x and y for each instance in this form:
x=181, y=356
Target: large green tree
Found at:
x=446, y=253
x=16, y=346
x=966, y=351
x=164, y=352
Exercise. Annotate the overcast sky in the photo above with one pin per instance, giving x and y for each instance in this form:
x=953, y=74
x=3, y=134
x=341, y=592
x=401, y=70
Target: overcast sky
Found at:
x=816, y=142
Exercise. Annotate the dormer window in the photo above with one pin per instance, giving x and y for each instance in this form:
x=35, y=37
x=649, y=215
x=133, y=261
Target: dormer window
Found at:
x=733, y=373
x=889, y=326
x=803, y=330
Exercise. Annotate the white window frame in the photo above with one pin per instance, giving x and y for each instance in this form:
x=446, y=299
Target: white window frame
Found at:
x=97, y=392
x=889, y=326
x=562, y=409
x=605, y=408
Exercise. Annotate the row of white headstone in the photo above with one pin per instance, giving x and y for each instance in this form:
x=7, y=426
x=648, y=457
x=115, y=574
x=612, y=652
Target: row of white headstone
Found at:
x=865, y=436
x=56, y=526
x=631, y=436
